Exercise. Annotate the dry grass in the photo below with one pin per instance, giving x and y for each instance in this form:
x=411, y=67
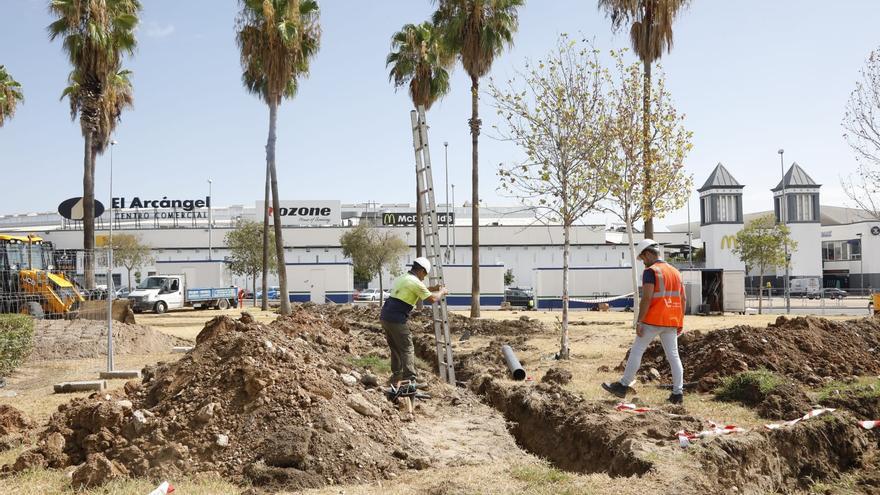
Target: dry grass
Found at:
x=187, y=323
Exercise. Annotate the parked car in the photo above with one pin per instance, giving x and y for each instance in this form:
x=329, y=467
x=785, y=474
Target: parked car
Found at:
x=272, y=293
x=122, y=293
x=828, y=293
x=370, y=295
x=518, y=297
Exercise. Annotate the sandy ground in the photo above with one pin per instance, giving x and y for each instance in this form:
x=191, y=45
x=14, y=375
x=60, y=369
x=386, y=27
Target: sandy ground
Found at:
x=475, y=453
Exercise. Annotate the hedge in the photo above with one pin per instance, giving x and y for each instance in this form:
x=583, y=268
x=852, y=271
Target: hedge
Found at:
x=16, y=341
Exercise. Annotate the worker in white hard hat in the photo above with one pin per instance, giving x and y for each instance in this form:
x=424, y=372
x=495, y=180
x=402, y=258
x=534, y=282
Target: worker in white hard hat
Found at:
x=661, y=313
x=406, y=291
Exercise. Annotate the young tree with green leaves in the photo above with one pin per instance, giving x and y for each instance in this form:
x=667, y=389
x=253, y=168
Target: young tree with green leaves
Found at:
x=650, y=32
x=96, y=35
x=418, y=60
x=130, y=252
x=10, y=95
x=557, y=114
x=373, y=250
x=476, y=32
x=669, y=143
x=277, y=40
x=246, y=252
x=761, y=245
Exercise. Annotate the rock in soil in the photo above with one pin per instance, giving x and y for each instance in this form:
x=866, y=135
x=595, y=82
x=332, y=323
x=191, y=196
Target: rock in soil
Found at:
x=808, y=350
x=253, y=413
x=560, y=376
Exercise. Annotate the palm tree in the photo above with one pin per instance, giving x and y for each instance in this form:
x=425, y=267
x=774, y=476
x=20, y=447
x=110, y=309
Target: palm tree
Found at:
x=95, y=34
x=650, y=35
x=117, y=97
x=10, y=95
x=418, y=60
x=277, y=39
x=476, y=31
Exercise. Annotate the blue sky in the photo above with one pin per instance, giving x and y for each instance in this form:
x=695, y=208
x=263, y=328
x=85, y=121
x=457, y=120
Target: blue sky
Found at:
x=752, y=76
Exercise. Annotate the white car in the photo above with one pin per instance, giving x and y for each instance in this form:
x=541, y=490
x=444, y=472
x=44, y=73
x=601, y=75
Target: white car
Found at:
x=370, y=295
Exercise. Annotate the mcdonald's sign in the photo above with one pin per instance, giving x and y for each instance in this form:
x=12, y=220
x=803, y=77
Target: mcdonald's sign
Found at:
x=728, y=242
x=408, y=219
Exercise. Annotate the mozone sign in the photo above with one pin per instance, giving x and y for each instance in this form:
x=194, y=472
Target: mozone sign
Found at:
x=404, y=219
x=306, y=213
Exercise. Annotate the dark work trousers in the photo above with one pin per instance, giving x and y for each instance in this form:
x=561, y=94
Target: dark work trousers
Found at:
x=403, y=366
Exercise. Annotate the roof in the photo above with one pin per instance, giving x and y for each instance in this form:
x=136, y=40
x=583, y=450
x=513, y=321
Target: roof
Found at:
x=720, y=178
x=796, y=177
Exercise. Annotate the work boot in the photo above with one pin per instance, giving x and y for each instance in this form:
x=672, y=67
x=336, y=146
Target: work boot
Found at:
x=616, y=388
x=676, y=398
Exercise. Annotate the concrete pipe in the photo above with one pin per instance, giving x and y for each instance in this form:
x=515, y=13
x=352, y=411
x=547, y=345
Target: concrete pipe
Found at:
x=513, y=364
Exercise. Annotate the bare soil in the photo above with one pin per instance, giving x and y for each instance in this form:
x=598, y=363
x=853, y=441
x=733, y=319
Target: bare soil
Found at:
x=83, y=339
x=809, y=350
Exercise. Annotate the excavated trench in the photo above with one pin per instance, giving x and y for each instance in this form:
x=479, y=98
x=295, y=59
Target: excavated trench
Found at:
x=590, y=437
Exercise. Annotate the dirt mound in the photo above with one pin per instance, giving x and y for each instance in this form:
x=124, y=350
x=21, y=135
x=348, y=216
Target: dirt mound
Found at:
x=863, y=401
x=14, y=427
x=787, y=459
x=773, y=396
x=266, y=404
x=559, y=376
x=83, y=339
x=809, y=350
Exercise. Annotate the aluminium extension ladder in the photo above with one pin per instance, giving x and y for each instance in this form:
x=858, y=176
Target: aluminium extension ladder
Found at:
x=430, y=227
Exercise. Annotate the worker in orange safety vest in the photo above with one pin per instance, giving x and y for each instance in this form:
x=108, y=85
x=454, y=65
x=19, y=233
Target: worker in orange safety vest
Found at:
x=661, y=313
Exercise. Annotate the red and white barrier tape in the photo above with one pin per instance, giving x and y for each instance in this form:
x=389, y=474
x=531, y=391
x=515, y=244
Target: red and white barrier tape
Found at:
x=685, y=437
x=869, y=424
x=811, y=414
x=164, y=489
x=628, y=407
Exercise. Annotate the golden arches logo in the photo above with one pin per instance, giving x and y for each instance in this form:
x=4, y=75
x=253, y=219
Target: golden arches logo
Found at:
x=728, y=242
x=388, y=219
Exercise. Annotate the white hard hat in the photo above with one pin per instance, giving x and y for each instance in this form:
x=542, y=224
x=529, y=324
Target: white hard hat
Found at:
x=647, y=244
x=424, y=263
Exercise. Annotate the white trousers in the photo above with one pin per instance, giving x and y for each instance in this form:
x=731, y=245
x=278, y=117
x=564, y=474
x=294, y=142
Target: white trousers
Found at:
x=669, y=339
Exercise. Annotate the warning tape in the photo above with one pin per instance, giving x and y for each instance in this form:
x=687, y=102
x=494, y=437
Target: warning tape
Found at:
x=629, y=407
x=811, y=414
x=685, y=437
x=164, y=489
x=869, y=424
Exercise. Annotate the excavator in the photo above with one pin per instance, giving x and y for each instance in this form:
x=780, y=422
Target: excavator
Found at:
x=28, y=282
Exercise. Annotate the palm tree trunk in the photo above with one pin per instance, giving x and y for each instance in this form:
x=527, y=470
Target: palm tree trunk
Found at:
x=276, y=212
x=89, y=213
x=264, y=304
x=646, y=131
x=475, y=198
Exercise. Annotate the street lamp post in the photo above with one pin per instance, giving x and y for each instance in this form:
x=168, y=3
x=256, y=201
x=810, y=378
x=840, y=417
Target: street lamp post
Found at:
x=453, y=228
x=446, y=157
x=110, y=291
x=210, y=222
x=783, y=216
x=861, y=263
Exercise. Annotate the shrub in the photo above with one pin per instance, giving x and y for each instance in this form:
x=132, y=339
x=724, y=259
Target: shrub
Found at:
x=16, y=341
x=749, y=387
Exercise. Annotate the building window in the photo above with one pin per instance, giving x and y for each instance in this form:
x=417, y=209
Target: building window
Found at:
x=726, y=208
x=803, y=208
x=842, y=250
x=705, y=211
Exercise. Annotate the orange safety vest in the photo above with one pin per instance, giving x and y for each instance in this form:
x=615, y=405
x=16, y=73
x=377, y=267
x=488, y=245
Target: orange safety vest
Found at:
x=666, y=309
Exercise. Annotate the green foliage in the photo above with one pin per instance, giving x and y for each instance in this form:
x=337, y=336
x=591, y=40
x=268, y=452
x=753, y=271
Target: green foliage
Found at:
x=16, y=341
x=374, y=363
x=10, y=95
x=419, y=60
x=245, y=244
x=761, y=244
x=508, y=277
x=742, y=387
x=858, y=389
x=277, y=40
x=649, y=37
x=371, y=250
x=539, y=475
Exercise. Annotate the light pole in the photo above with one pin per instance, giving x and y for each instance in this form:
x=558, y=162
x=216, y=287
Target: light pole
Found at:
x=453, y=228
x=210, y=221
x=446, y=157
x=690, y=242
x=110, y=292
x=861, y=263
x=783, y=216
